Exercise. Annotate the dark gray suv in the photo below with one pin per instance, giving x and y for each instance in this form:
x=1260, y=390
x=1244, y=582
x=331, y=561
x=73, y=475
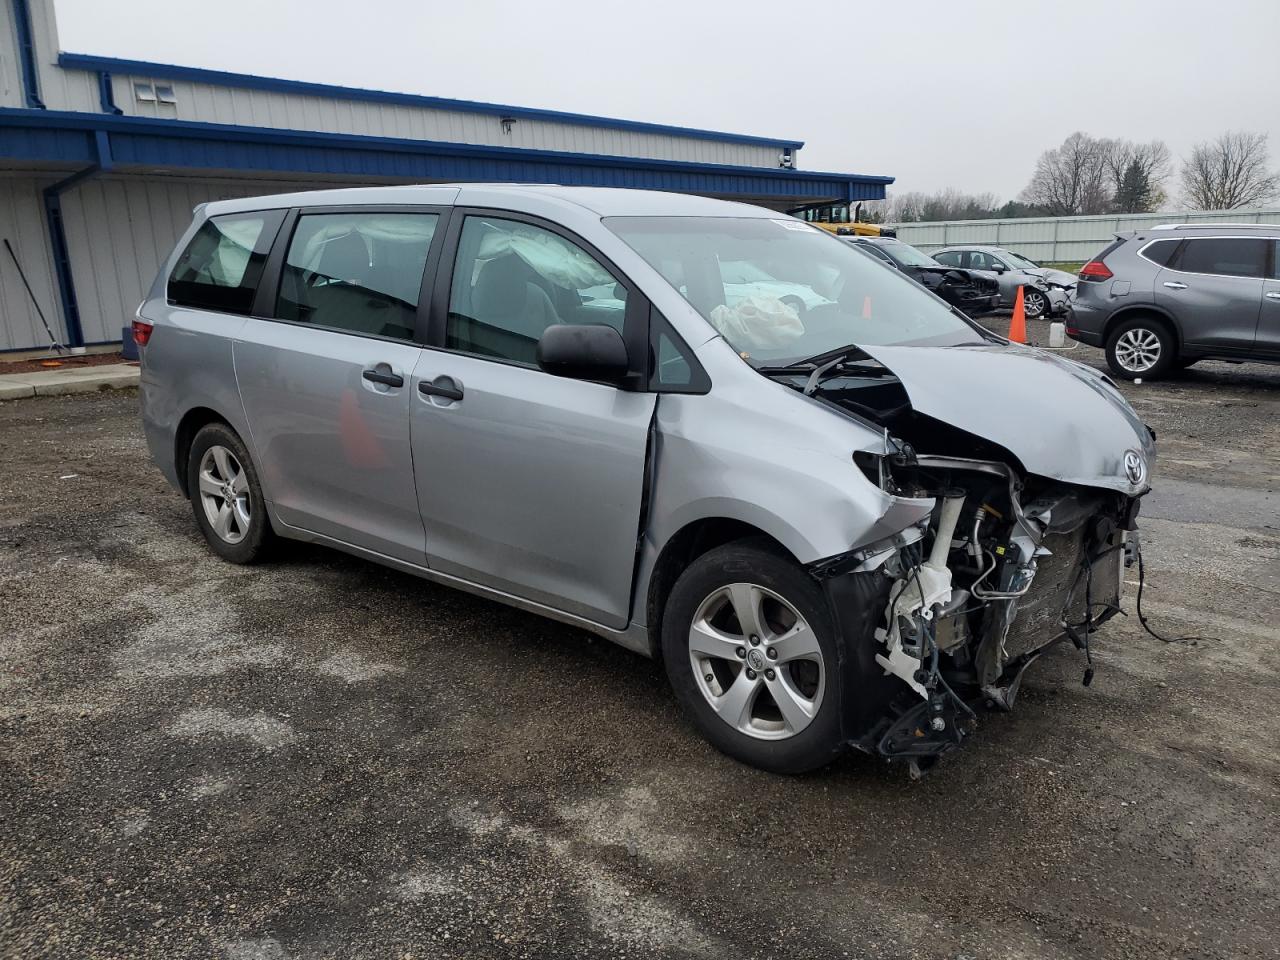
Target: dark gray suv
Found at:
x=1162, y=299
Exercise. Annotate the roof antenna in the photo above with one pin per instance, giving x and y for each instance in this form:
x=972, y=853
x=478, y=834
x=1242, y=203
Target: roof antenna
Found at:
x=54, y=344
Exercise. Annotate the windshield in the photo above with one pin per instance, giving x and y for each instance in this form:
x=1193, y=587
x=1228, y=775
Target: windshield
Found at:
x=808, y=293
x=1017, y=261
x=908, y=255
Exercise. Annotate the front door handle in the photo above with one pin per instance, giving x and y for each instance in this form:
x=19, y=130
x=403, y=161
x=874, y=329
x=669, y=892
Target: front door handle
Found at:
x=1273, y=295
x=1175, y=285
x=386, y=379
x=444, y=387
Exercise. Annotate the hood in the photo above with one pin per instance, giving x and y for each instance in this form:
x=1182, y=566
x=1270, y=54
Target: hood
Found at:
x=1060, y=277
x=1061, y=419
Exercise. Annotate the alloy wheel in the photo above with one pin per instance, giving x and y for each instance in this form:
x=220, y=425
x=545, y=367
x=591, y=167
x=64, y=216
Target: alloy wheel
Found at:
x=756, y=661
x=1138, y=350
x=224, y=494
x=1034, y=303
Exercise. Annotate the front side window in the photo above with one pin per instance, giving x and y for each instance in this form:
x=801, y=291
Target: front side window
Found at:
x=512, y=280
x=357, y=272
x=222, y=264
x=810, y=294
x=1225, y=256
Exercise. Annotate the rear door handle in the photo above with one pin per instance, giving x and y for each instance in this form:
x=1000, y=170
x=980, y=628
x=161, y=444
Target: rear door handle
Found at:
x=1273, y=295
x=1175, y=285
x=386, y=379
x=445, y=387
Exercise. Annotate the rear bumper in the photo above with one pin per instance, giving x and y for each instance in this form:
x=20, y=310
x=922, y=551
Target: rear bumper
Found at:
x=1086, y=323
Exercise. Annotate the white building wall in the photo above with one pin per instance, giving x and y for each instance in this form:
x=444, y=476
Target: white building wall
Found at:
x=22, y=224
x=59, y=89
x=120, y=229
x=210, y=103
x=10, y=70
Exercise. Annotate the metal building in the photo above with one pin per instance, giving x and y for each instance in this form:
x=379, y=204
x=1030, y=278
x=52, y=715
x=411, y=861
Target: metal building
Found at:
x=102, y=160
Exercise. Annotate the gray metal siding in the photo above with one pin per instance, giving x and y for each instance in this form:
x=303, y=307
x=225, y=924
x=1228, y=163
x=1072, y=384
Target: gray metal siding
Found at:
x=22, y=224
x=209, y=103
x=1061, y=239
x=120, y=229
x=10, y=70
x=59, y=89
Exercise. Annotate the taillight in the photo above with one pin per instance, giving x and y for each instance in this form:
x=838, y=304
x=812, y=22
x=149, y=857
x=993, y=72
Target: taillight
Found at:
x=141, y=332
x=1095, y=271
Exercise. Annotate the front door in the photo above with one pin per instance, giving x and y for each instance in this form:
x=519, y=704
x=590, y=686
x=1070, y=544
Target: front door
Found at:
x=326, y=384
x=1268, y=341
x=528, y=483
x=1213, y=288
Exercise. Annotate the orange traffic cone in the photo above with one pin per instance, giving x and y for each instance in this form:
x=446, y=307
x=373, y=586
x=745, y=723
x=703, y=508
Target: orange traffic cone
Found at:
x=1018, y=325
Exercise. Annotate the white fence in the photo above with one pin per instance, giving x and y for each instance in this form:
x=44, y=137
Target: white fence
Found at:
x=1061, y=239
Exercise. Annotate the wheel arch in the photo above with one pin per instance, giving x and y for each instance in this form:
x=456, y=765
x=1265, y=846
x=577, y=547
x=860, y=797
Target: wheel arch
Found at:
x=1140, y=310
x=192, y=422
x=686, y=545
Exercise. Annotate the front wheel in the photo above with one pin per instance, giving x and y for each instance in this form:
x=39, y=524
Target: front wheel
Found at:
x=750, y=651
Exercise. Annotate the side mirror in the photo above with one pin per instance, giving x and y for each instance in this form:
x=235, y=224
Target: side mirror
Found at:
x=998, y=267
x=592, y=351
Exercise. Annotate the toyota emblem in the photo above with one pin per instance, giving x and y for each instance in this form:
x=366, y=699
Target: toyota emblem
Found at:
x=1134, y=467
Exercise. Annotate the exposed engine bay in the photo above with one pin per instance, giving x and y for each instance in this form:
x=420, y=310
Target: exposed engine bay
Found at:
x=1005, y=565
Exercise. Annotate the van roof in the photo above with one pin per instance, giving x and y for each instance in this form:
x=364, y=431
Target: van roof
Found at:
x=603, y=201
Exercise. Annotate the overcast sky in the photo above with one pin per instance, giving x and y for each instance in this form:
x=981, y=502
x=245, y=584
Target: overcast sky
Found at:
x=937, y=94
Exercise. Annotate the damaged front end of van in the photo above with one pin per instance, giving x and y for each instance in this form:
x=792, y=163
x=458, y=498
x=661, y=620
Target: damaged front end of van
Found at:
x=1033, y=521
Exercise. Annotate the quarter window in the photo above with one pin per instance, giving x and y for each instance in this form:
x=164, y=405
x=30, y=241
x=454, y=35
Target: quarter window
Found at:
x=357, y=272
x=1159, y=251
x=1225, y=256
x=222, y=264
x=512, y=280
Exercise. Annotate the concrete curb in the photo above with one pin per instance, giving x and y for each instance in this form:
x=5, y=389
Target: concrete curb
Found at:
x=53, y=383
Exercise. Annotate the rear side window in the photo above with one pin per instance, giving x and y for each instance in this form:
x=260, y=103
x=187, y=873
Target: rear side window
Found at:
x=357, y=272
x=1160, y=251
x=951, y=258
x=222, y=264
x=1225, y=256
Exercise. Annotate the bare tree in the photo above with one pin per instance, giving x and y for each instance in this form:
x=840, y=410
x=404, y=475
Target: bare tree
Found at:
x=1071, y=179
x=1229, y=172
x=949, y=204
x=1137, y=173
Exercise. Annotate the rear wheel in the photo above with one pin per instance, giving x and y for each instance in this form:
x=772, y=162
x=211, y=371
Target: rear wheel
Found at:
x=226, y=496
x=1141, y=347
x=750, y=651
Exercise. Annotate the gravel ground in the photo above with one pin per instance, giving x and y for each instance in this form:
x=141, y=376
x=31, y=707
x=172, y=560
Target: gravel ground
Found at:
x=323, y=758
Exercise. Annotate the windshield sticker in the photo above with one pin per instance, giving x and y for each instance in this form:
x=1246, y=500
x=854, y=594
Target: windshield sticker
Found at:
x=793, y=224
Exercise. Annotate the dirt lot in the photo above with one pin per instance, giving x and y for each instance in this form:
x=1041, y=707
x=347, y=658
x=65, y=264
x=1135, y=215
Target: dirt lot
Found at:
x=322, y=758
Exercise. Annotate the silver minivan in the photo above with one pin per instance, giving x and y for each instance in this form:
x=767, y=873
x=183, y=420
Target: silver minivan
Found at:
x=840, y=512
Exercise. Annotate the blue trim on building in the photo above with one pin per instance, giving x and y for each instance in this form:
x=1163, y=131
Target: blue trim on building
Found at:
x=58, y=235
x=147, y=141
x=106, y=95
x=27, y=55
x=80, y=61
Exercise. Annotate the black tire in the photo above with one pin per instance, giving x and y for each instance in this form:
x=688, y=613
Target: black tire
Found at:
x=755, y=563
x=1186, y=363
x=1034, y=304
x=1122, y=359
x=253, y=542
